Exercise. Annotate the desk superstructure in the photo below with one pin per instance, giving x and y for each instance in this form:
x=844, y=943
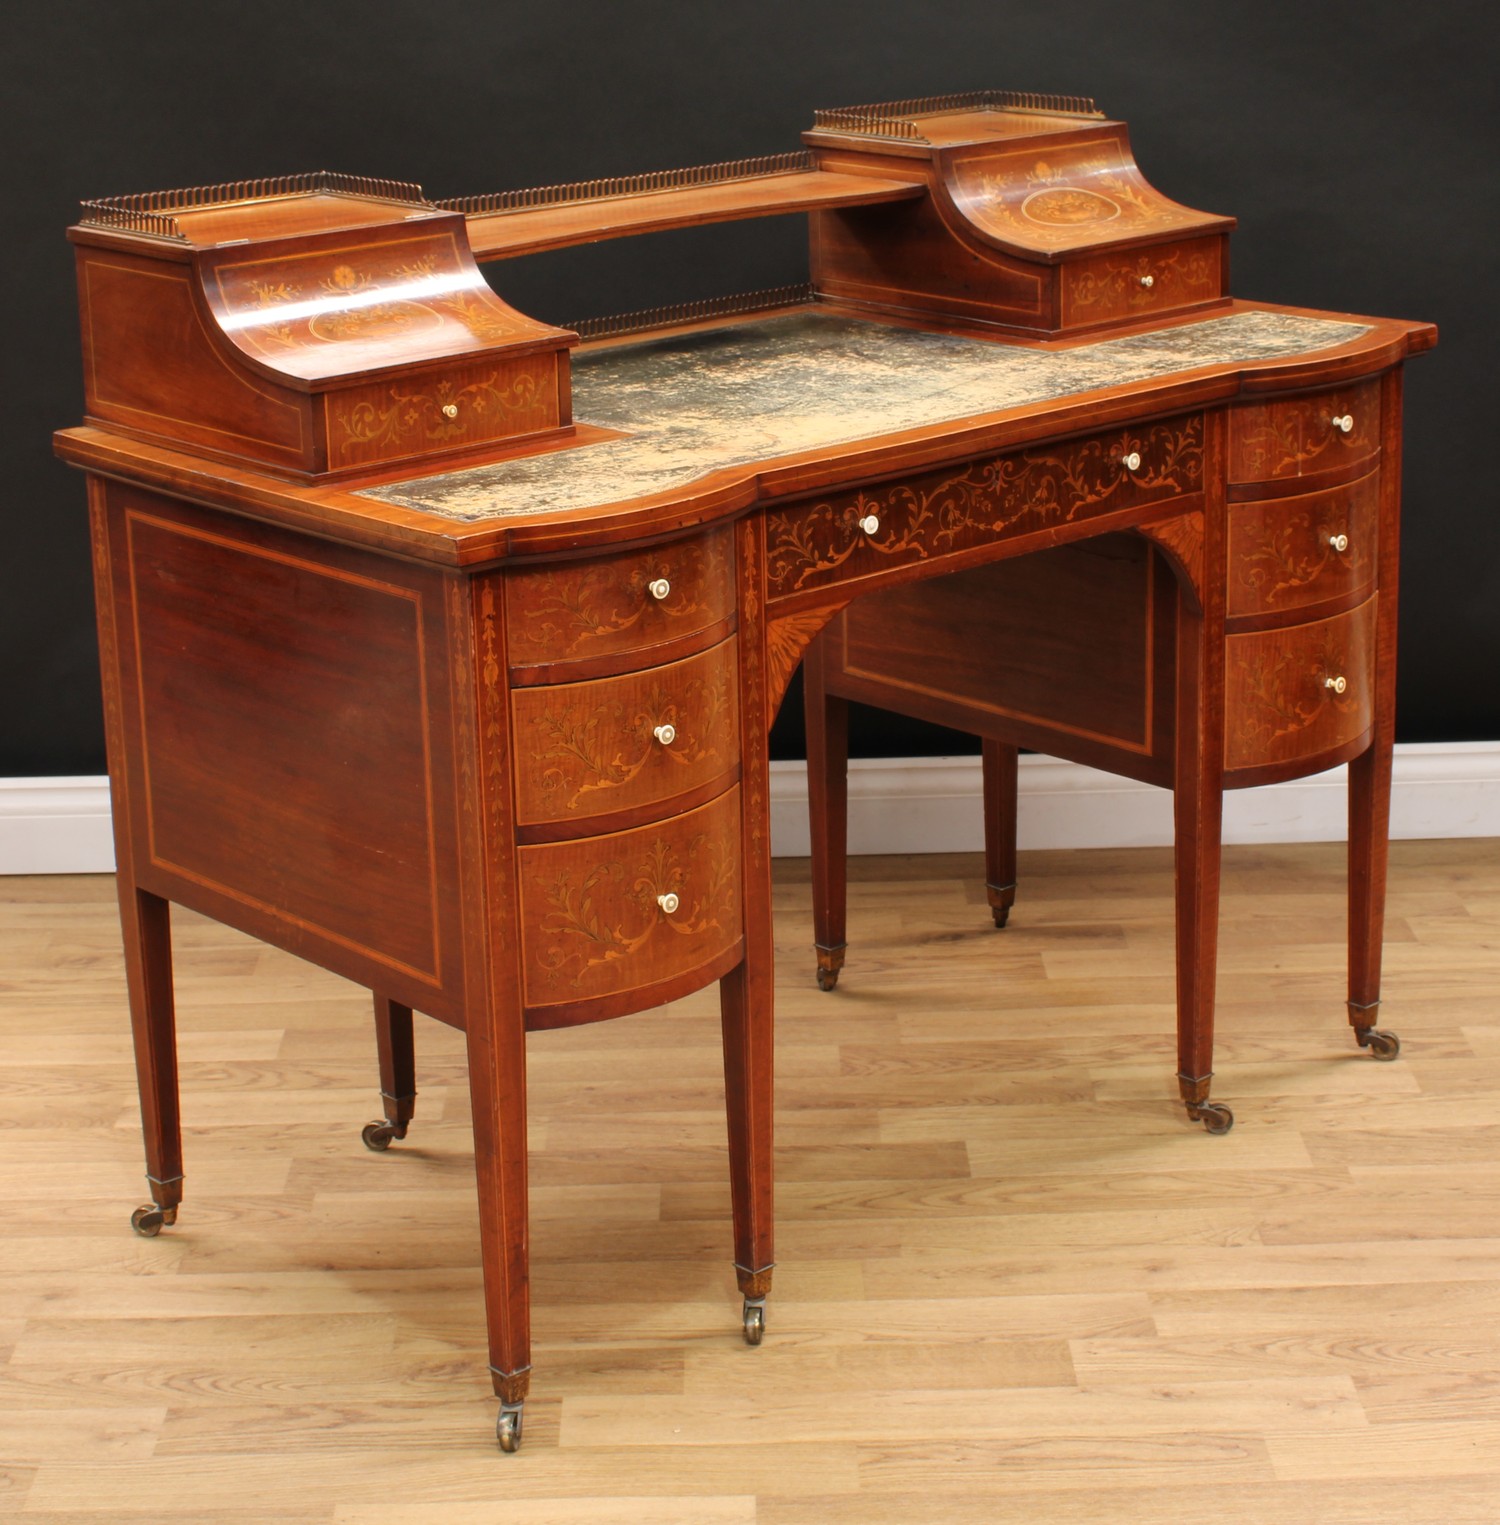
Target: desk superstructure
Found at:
x=440, y=645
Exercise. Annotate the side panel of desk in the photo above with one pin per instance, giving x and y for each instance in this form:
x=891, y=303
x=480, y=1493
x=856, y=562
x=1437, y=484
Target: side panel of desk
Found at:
x=282, y=738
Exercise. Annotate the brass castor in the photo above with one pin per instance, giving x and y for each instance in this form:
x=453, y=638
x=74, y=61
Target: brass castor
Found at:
x=508, y=1427
x=1002, y=914
x=827, y=978
x=1214, y=1115
x=1381, y=1044
x=378, y=1135
x=755, y=1320
x=148, y=1222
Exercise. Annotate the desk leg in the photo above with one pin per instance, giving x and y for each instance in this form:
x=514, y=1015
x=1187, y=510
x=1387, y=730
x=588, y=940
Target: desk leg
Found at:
x=745, y=1008
x=497, y=1089
x=1198, y=808
x=398, y=1073
x=145, y=921
x=827, y=717
x=1369, y=848
x=1000, y=774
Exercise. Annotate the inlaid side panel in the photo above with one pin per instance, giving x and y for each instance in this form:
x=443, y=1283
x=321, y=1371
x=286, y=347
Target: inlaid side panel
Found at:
x=1299, y=691
x=854, y=535
x=283, y=712
x=620, y=742
x=632, y=908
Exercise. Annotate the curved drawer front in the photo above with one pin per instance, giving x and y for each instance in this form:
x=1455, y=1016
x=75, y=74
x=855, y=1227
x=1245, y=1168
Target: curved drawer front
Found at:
x=1139, y=282
x=1282, y=698
x=1286, y=553
x=593, y=917
x=1270, y=441
x=611, y=604
x=853, y=535
x=616, y=743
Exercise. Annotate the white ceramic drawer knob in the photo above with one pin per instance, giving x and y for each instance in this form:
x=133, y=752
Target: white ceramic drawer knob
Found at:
x=450, y=410
x=1339, y=542
x=1148, y=281
x=668, y=902
x=1343, y=422
x=1131, y=462
x=869, y=524
x=665, y=734
x=659, y=588
x=1338, y=684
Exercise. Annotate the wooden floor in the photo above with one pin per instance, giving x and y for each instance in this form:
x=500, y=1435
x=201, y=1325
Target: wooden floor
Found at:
x=1014, y=1283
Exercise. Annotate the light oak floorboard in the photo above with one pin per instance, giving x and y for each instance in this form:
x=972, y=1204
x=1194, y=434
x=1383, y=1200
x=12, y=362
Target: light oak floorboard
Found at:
x=1014, y=1284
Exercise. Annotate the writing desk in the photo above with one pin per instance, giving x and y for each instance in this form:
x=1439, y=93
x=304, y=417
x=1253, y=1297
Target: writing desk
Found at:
x=408, y=672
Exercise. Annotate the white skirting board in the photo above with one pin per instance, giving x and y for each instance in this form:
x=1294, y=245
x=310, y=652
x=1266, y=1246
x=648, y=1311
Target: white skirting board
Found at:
x=924, y=805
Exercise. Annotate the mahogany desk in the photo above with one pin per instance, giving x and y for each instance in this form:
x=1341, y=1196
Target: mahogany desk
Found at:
x=407, y=672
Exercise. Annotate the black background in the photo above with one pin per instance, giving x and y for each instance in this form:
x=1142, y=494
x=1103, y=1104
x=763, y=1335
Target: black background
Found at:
x=1355, y=143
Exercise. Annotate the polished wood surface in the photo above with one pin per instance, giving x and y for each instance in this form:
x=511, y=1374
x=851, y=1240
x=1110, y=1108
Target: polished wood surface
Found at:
x=493, y=742
x=1012, y=1287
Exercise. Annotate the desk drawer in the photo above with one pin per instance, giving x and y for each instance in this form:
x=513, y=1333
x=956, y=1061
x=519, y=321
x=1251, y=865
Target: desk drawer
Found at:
x=1283, y=700
x=854, y=535
x=1102, y=288
x=1270, y=441
x=1287, y=553
x=626, y=741
x=610, y=605
x=593, y=912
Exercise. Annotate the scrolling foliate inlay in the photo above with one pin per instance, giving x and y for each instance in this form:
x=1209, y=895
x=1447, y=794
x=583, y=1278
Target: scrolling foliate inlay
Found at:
x=940, y=513
x=1142, y=280
x=1296, y=553
x=448, y=411
x=1285, y=438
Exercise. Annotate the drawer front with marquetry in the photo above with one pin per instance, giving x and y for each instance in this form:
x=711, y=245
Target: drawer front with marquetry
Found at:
x=621, y=742
x=467, y=405
x=1300, y=690
x=1103, y=288
x=631, y=909
x=1297, y=436
x=1286, y=553
x=624, y=603
x=848, y=536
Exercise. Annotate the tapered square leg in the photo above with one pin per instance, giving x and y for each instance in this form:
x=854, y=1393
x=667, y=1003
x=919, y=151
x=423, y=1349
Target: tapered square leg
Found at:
x=398, y=1072
x=1000, y=773
x=827, y=717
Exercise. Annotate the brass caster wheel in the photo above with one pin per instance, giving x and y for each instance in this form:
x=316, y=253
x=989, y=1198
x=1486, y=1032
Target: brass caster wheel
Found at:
x=755, y=1320
x=148, y=1222
x=508, y=1427
x=827, y=978
x=1381, y=1044
x=1002, y=914
x=378, y=1135
x=1214, y=1115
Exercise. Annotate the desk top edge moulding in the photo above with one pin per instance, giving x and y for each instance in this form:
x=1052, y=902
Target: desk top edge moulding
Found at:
x=440, y=644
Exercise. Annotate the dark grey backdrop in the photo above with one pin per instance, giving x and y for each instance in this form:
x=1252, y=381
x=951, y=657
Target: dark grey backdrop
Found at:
x=1356, y=144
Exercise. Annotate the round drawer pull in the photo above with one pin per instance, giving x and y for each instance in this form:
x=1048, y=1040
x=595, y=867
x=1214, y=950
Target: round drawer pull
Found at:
x=869, y=524
x=659, y=588
x=668, y=902
x=1131, y=462
x=450, y=410
x=1338, y=684
x=1343, y=422
x=665, y=734
x=1339, y=542
x=1148, y=281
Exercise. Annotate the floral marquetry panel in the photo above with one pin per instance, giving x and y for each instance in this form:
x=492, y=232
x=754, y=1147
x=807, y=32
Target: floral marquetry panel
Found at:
x=631, y=908
x=629, y=602
x=940, y=513
x=1299, y=691
x=621, y=742
x=1269, y=441
x=1286, y=553
x=442, y=410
